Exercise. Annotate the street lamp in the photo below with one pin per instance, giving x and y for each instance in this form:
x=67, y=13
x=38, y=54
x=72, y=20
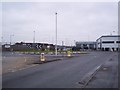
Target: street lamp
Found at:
x=75, y=42
x=112, y=32
x=34, y=41
x=34, y=37
x=11, y=38
x=56, y=35
x=2, y=40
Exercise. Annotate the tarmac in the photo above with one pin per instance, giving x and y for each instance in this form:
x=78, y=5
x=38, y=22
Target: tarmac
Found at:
x=13, y=61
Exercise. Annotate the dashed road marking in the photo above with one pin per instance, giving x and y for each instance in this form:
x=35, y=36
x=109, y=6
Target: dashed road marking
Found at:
x=13, y=70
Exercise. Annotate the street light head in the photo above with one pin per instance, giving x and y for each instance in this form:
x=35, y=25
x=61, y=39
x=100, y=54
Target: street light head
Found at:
x=12, y=35
x=56, y=13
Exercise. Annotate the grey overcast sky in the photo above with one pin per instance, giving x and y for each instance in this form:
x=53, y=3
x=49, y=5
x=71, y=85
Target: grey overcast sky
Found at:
x=80, y=21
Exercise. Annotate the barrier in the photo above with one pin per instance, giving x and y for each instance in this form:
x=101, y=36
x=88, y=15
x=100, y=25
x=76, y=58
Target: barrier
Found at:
x=69, y=53
x=42, y=57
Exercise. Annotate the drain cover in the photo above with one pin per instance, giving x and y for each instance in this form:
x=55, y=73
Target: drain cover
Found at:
x=105, y=68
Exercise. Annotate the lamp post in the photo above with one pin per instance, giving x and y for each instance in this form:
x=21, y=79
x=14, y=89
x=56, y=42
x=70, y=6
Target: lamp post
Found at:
x=75, y=42
x=34, y=37
x=34, y=41
x=56, y=35
x=11, y=39
x=62, y=43
x=2, y=40
x=112, y=32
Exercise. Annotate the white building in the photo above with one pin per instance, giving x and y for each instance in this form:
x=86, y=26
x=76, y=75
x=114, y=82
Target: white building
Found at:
x=109, y=42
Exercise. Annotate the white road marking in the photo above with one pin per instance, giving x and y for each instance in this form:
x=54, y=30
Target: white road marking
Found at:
x=23, y=68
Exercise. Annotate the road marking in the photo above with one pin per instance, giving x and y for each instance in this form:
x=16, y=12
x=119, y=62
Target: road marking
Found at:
x=22, y=68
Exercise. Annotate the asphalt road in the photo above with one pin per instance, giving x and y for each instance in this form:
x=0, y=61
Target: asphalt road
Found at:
x=13, y=61
x=58, y=74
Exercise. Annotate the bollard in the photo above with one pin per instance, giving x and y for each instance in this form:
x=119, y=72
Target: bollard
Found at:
x=111, y=49
x=69, y=54
x=42, y=58
x=25, y=59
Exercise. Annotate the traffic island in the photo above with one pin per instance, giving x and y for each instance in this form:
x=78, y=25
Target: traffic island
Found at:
x=48, y=60
x=52, y=59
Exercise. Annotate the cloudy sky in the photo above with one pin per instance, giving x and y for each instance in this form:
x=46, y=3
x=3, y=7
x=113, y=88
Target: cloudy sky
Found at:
x=80, y=21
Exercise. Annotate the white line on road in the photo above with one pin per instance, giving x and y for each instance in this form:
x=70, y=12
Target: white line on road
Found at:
x=23, y=68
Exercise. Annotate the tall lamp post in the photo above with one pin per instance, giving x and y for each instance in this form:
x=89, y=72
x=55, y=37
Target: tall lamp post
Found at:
x=75, y=42
x=112, y=32
x=11, y=49
x=34, y=41
x=56, y=35
x=34, y=37
x=11, y=39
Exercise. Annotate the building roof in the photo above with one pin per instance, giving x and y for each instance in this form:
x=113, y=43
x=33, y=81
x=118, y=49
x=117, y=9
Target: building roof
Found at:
x=86, y=42
x=111, y=36
x=108, y=36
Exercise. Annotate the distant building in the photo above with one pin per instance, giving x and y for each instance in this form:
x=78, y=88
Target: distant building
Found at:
x=108, y=42
x=27, y=46
x=6, y=47
x=86, y=45
x=22, y=46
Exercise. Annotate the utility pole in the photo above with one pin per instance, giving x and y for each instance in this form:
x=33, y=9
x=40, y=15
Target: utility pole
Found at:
x=56, y=35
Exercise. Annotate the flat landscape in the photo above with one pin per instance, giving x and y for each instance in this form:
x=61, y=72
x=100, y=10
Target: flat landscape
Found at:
x=67, y=72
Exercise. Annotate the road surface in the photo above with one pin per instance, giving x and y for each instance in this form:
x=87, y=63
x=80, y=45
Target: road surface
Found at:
x=58, y=74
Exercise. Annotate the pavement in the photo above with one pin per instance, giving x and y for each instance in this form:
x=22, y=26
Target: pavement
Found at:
x=107, y=75
x=61, y=74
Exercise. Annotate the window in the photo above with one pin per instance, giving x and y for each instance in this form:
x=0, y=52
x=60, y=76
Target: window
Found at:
x=108, y=42
x=117, y=41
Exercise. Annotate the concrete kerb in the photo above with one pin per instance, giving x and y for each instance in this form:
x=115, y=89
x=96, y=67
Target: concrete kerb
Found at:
x=86, y=79
x=46, y=61
x=53, y=58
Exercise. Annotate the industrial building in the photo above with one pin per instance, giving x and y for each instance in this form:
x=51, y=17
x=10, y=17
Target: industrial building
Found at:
x=104, y=43
x=27, y=46
x=22, y=46
x=108, y=43
x=86, y=45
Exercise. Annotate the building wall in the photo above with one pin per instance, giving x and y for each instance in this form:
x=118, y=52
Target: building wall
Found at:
x=28, y=46
x=108, y=43
x=86, y=45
